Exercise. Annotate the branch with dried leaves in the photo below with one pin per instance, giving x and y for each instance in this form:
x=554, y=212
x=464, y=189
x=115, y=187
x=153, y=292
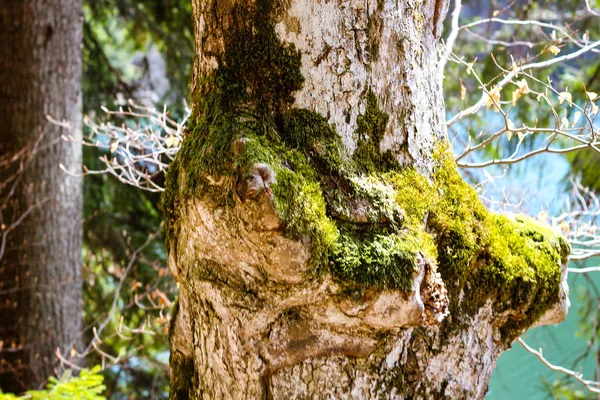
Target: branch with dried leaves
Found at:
x=139, y=143
x=572, y=126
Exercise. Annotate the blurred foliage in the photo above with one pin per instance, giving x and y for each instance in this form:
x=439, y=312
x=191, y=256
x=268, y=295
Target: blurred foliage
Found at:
x=87, y=386
x=587, y=296
x=586, y=164
x=564, y=390
x=119, y=220
x=118, y=35
x=126, y=284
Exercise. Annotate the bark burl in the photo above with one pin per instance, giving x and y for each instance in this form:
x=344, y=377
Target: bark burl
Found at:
x=323, y=242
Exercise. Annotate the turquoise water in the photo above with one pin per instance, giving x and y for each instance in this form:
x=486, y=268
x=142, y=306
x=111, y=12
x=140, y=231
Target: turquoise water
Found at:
x=519, y=374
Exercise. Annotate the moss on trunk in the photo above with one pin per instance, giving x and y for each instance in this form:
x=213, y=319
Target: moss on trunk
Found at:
x=365, y=217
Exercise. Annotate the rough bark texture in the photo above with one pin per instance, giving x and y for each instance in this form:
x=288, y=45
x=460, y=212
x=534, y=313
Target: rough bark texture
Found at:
x=40, y=267
x=323, y=242
x=349, y=48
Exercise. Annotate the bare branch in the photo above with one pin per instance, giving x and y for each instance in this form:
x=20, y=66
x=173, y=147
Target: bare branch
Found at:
x=590, y=9
x=117, y=294
x=590, y=385
x=515, y=72
x=452, y=36
x=141, y=144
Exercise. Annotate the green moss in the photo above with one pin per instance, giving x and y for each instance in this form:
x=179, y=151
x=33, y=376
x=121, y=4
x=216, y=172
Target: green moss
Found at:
x=381, y=197
x=370, y=132
x=414, y=193
x=256, y=68
x=374, y=33
x=374, y=259
x=301, y=204
x=514, y=261
x=419, y=19
x=522, y=257
x=457, y=218
x=169, y=200
x=310, y=132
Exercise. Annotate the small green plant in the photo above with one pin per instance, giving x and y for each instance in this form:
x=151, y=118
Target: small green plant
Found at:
x=87, y=386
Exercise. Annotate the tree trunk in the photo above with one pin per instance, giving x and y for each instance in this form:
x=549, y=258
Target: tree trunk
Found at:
x=41, y=287
x=323, y=242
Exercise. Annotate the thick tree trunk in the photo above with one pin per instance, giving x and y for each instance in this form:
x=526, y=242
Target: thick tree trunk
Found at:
x=323, y=242
x=40, y=270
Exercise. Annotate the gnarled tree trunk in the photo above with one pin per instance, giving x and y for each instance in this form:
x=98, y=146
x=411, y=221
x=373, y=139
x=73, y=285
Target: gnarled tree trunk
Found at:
x=323, y=242
x=41, y=206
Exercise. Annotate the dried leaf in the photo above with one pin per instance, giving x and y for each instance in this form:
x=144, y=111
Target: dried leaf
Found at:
x=591, y=95
x=492, y=98
x=564, y=122
x=510, y=125
x=576, y=118
x=564, y=227
x=172, y=141
x=542, y=216
x=514, y=67
x=554, y=49
x=470, y=66
x=565, y=96
x=523, y=88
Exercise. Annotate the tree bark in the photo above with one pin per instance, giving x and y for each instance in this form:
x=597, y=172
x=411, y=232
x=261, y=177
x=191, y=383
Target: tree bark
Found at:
x=322, y=240
x=41, y=286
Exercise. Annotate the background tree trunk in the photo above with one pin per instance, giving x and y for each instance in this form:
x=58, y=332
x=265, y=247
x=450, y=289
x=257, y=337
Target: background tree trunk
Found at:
x=323, y=242
x=40, y=286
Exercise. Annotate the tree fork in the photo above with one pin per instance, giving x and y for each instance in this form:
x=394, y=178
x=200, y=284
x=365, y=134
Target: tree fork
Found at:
x=354, y=262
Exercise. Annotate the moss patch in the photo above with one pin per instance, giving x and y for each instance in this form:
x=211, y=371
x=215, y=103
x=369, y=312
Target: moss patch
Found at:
x=371, y=128
x=514, y=261
x=246, y=100
x=301, y=204
x=369, y=258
